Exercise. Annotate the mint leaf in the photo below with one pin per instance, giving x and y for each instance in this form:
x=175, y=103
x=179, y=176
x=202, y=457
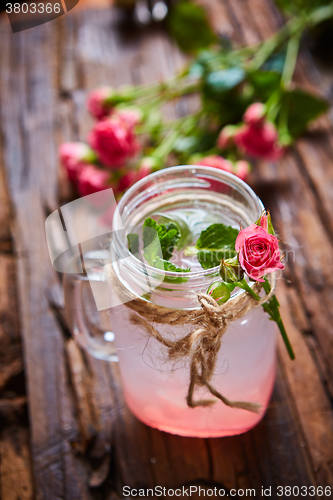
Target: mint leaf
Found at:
x=169, y=266
x=185, y=234
x=159, y=239
x=215, y=243
x=133, y=243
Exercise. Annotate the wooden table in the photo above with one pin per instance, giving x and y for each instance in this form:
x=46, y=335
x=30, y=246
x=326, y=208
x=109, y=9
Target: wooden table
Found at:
x=65, y=431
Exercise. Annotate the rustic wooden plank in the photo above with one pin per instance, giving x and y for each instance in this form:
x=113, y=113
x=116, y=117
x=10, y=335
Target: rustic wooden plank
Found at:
x=303, y=228
x=5, y=209
x=31, y=168
x=312, y=404
x=15, y=467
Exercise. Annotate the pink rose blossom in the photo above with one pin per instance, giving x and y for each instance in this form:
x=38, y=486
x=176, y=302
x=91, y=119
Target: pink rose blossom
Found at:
x=92, y=179
x=97, y=102
x=114, y=141
x=72, y=156
x=131, y=116
x=142, y=172
x=258, y=251
x=259, y=140
x=216, y=161
x=132, y=176
x=147, y=165
x=126, y=181
x=225, y=138
x=242, y=169
x=255, y=113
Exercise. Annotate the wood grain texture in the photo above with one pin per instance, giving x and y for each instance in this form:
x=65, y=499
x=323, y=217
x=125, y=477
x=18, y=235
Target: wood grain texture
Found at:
x=66, y=432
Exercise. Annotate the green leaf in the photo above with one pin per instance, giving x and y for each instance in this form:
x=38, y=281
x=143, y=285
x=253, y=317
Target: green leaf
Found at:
x=215, y=243
x=264, y=83
x=186, y=145
x=159, y=239
x=297, y=7
x=218, y=82
x=275, y=62
x=169, y=266
x=298, y=108
x=185, y=234
x=133, y=243
x=188, y=24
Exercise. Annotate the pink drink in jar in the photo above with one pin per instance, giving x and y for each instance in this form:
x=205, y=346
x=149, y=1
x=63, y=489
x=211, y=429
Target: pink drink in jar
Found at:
x=155, y=387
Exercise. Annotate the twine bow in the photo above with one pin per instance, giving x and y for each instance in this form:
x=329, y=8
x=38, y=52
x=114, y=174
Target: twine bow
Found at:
x=203, y=343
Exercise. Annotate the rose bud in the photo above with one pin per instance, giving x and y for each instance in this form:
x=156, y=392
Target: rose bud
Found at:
x=230, y=270
x=225, y=138
x=99, y=102
x=265, y=221
x=242, y=169
x=260, y=141
x=73, y=156
x=216, y=161
x=126, y=180
x=147, y=165
x=114, y=141
x=255, y=114
x=219, y=291
x=131, y=115
x=92, y=179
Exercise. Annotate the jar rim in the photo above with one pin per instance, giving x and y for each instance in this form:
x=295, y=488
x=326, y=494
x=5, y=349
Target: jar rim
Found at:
x=220, y=175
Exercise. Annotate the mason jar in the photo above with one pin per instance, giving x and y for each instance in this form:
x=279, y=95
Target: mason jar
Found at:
x=154, y=385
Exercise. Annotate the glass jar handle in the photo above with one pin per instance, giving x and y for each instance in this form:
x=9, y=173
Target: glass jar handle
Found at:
x=90, y=328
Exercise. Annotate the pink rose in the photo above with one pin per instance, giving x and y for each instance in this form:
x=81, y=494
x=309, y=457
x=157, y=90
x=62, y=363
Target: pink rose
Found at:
x=73, y=156
x=126, y=181
x=143, y=171
x=92, y=179
x=147, y=165
x=114, y=141
x=225, y=138
x=97, y=102
x=242, y=169
x=254, y=114
x=259, y=140
x=216, y=161
x=132, y=176
x=131, y=116
x=258, y=251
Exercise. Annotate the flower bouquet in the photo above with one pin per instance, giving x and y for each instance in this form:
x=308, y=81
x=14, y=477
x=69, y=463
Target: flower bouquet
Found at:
x=247, y=107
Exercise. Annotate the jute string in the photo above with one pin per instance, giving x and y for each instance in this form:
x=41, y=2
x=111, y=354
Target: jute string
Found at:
x=203, y=343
